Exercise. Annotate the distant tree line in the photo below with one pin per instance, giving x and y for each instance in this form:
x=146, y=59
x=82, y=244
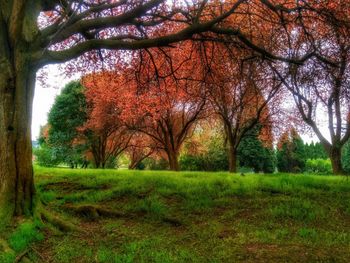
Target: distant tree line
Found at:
x=68, y=140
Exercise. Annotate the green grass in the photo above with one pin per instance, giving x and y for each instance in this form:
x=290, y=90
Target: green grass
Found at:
x=191, y=217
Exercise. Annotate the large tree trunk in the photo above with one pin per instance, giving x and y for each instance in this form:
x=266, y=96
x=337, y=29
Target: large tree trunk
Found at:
x=16, y=170
x=335, y=156
x=232, y=159
x=173, y=161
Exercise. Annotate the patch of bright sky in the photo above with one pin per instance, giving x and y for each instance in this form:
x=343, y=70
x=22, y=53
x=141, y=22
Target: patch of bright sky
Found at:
x=45, y=94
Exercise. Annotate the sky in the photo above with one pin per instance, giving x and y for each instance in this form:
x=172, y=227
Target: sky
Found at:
x=44, y=96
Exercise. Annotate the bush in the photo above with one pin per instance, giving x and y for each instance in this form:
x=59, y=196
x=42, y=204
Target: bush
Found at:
x=111, y=163
x=192, y=162
x=214, y=160
x=319, y=166
x=346, y=157
x=252, y=153
x=153, y=164
x=140, y=166
x=46, y=156
x=291, y=156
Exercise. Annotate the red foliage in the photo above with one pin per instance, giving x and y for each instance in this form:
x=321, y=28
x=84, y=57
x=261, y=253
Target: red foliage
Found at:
x=163, y=99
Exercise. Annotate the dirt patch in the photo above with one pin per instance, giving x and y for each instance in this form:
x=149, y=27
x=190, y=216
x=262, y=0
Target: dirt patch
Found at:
x=68, y=187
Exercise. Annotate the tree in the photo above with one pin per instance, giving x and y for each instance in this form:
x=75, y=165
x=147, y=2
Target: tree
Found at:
x=140, y=147
x=320, y=84
x=239, y=92
x=66, y=115
x=290, y=152
x=315, y=151
x=164, y=101
x=253, y=153
x=106, y=145
x=105, y=130
x=35, y=33
x=45, y=155
x=346, y=157
x=206, y=149
x=168, y=116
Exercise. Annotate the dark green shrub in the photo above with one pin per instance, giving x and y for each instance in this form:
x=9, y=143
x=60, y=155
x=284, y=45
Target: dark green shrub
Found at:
x=154, y=164
x=291, y=156
x=192, y=163
x=253, y=154
x=140, y=166
x=45, y=156
x=315, y=151
x=346, y=157
x=214, y=160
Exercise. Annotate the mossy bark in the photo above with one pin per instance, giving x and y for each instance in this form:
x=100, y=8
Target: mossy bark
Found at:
x=232, y=159
x=16, y=170
x=173, y=160
x=17, y=81
x=335, y=156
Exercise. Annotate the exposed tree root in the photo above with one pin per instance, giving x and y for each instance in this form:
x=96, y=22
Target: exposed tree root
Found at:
x=58, y=222
x=4, y=247
x=92, y=211
x=21, y=257
x=48, y=217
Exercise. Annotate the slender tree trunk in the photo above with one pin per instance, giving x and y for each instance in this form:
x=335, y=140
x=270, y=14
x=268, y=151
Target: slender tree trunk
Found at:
x=232, y=152
x=16, y=170
x=96, y=155
x=335, y=156
x=96, y=161
x=136, y=161
x=134, y=164
x=232, y=159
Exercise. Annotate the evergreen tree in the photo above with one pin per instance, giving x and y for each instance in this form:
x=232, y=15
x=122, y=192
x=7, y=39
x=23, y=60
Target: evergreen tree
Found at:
x=346, y=157
x=298, y=152
x=67, y=114
x=291, y=156
x=252, y=153
x=315, y=151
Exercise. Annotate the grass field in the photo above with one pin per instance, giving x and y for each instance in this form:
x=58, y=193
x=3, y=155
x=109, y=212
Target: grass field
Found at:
x=158, y=216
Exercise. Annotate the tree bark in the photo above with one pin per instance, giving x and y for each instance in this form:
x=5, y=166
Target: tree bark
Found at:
x=173, y=161
x=16, y=170
x=232, y=159
x=335, y=156
x=232, y=150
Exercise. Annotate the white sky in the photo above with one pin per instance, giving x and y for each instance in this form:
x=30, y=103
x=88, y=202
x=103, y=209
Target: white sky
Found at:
x=45, y=95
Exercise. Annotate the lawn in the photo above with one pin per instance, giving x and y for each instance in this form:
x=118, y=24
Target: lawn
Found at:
x=160, y=216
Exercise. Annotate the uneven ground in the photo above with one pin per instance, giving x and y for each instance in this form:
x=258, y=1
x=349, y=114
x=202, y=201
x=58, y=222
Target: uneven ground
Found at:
x=152, y=216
